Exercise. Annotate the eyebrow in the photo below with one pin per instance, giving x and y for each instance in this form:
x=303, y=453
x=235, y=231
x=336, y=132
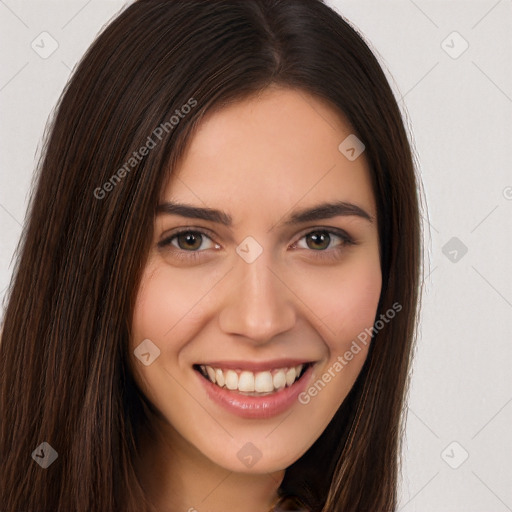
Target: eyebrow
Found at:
x=328, y=211
x=318, y=212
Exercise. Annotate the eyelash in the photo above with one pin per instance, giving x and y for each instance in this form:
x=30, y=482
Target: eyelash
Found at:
x=321, y=254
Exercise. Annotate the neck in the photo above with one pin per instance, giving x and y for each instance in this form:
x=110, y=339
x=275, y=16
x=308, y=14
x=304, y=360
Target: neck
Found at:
x=177, y=477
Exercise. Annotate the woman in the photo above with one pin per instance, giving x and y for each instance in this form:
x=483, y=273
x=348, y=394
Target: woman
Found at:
x=214, y=304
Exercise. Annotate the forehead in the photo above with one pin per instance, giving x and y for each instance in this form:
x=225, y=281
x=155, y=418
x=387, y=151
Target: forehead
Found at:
x=270, y=151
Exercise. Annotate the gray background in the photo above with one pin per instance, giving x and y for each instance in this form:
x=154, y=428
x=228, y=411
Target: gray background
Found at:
x=458, y=107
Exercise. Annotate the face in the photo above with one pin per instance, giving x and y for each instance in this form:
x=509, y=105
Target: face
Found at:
x=264, y=269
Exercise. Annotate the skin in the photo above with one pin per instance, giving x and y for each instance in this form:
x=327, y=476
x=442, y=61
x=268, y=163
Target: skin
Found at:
x=258, y=160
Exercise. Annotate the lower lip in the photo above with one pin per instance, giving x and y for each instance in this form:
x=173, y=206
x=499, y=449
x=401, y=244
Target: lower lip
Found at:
x=257, y=407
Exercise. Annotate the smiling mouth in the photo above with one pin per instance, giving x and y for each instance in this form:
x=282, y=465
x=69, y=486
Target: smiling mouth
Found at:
x=260, y=383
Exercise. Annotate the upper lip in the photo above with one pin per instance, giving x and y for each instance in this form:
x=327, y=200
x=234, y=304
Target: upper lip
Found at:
x=256, y=366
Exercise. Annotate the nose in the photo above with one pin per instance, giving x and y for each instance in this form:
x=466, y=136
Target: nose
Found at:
x=258, y=305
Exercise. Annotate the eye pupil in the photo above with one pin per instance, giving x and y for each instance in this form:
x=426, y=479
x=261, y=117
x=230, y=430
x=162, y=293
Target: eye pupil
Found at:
x=321, y=239
x=188, y=241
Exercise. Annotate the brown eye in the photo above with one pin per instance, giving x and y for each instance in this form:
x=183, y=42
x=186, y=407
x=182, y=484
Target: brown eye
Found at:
x=318, y=240
x=325, y=243
x=189, y=241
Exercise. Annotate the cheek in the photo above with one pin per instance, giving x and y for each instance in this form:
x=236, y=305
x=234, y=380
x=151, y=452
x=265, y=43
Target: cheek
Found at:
x=345, y=307
x=344, y=301
x=161, y=305
x=156, y=317
x=169, y=311
x=164, y=300
x=357, y=305
x=154, y=312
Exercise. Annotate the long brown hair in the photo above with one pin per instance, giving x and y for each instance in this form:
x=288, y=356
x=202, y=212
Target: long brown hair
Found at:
x=64, y=361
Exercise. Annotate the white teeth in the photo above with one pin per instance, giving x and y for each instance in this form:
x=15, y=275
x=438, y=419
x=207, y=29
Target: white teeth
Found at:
x=211, y=373
x=279, y=380
x=263, y=382
x=251, y=382
x=231, y=380
x=219, y=378
x=246, y=382
x=290, y=376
